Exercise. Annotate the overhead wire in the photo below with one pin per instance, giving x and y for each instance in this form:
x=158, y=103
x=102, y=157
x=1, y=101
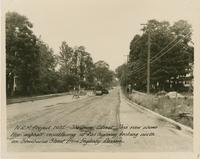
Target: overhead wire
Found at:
x=160, y=54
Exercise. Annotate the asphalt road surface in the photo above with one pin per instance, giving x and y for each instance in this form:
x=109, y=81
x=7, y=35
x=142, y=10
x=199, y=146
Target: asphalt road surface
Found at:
x=95, y=123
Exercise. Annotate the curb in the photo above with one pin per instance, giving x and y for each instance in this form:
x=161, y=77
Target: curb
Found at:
x=139, y=107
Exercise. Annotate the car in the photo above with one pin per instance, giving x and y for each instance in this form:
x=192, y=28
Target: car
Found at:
x=98, y=90
x=105, y=91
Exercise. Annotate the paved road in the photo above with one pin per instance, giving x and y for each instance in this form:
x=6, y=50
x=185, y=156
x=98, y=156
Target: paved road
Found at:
x=96, y=123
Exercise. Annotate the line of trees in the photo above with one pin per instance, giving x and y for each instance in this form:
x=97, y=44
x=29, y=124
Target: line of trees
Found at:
x=32, y=68
x=172, y=71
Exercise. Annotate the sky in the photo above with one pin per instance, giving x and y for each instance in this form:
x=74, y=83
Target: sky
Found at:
x=104, y=27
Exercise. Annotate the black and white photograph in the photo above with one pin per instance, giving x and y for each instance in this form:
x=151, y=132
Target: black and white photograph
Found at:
x=100, y=76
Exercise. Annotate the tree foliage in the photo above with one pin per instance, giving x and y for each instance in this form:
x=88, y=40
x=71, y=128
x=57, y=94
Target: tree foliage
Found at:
x=47, y=80
x=167, y=71
x=76, y=65
x=22, y=54
x=103, y=75
x=32, y=67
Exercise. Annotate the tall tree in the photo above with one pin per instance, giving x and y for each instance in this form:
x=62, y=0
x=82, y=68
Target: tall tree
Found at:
x=47, y=81
x=173, y=65
x=121, y=74
x=21, y=54
x=76, y=64
x=103, y=75
x=66, y=58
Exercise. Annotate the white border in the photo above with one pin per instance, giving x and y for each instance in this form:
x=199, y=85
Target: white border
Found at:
x=135, y=155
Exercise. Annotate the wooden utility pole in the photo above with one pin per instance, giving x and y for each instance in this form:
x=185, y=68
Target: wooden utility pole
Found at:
x=148, y=62
x=126, y=72
x=148, y=58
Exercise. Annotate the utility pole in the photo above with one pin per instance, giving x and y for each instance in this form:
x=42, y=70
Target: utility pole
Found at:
x=148, y=62
x=148, y=59
x=126, y=76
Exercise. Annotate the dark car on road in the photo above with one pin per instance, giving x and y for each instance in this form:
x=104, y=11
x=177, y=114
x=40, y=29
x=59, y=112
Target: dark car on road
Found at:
x=98, y=91
x=105, y=91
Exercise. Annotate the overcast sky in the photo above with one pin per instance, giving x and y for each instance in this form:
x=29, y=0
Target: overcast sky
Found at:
x=104, y=27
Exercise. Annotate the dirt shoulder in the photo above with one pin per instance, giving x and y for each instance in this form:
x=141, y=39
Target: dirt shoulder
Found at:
x=26, y=99
x=179, y=109
x=41, y=97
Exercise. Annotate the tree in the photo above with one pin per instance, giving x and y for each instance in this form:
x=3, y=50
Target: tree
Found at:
x=76, y=65
x=103, y=75
x=66, y=57
x=68, y=77
x=121, y=74
x=173, y=65
x=21, y=55
x=102, y=64
x=47, y=81
x=32, y=68
x=86, y=70
x=85, y=64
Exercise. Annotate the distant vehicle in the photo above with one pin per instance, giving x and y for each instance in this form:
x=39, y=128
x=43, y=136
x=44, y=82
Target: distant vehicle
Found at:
x=98, y=90
x=105, y=91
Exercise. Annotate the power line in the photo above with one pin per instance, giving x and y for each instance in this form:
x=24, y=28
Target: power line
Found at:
x=142, y=67
x=152, y=61
x=139, y=69
x=156, y=57
x=164, y=48
x=168, y=45
x=161, y=54
x=168, y=50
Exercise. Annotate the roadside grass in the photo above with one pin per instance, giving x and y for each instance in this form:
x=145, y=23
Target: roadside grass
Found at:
x=180, y=109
